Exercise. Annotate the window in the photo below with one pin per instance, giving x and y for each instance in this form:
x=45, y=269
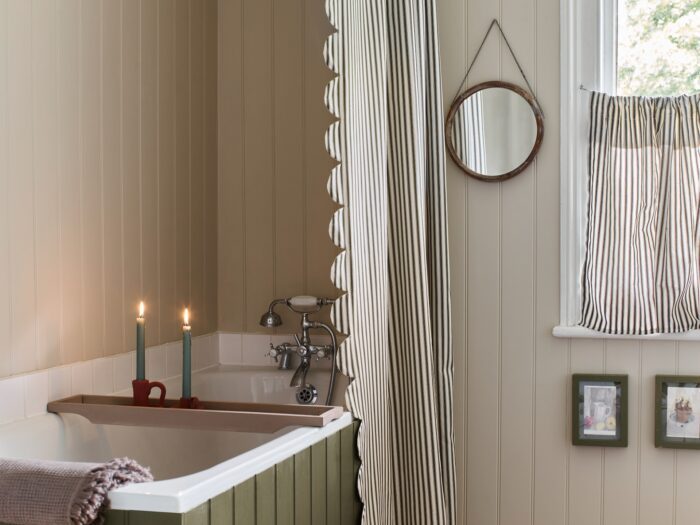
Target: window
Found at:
x=658, y=47
x=625, y=47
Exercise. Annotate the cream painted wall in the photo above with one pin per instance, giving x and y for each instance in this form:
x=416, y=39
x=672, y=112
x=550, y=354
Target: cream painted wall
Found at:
x=107, y=175
x=512, y=378
x=273, y=206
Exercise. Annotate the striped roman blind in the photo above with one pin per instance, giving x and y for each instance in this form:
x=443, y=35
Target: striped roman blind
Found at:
x=641, y=268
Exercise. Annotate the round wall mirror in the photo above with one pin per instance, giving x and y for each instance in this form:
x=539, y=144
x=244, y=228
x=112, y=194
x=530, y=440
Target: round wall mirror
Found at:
x=494, y=130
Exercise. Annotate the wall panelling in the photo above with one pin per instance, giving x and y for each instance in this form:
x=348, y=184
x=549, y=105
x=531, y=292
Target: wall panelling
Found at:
x=273, y=205
x=512, y=378
x=107, y=175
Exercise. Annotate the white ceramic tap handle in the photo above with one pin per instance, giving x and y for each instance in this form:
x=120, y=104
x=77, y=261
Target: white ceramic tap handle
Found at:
x=303, y=301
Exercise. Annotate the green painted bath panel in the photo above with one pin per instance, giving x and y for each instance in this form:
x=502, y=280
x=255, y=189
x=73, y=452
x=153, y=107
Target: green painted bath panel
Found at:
x=316, y=486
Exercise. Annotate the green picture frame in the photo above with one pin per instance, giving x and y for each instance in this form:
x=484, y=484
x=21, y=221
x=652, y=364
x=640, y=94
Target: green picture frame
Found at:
x=599, y=410
x=678, y=427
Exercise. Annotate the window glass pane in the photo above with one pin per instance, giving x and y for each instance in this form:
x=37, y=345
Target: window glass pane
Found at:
x=658, y=47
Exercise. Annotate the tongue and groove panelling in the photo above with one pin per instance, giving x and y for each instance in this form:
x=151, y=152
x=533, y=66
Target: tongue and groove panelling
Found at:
x=108, y=175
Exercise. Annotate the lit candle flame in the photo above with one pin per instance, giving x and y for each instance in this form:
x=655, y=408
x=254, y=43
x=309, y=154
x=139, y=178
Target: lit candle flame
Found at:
x=187, y=317
x=142, y=309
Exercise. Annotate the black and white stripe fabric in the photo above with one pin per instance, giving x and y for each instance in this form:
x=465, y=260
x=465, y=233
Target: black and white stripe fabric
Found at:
x=642, y=263
x=468, y=133
x=391, y=183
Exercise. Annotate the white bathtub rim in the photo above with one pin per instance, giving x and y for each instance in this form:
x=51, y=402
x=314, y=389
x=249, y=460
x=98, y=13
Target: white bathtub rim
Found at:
x=180, y=495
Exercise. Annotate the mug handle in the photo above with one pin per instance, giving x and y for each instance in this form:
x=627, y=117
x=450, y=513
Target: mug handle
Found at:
x=161, y=386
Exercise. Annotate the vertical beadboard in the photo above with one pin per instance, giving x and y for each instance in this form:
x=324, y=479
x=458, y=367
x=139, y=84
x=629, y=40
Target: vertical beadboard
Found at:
x=284, y=499
x=92, y=173
x=657, y=484
x=131, y=226
x=69, y=174
x=91, y=100
x=273, y=167
x=259, y=181
x=484, y=306
x=318, y=483
x=167, y=303
x=288, y=142
x=46, y=196
x=620, y=470
x=586, y=463
x=196, y=148
x=113, y=67
x=265, y=496
x=517, y=325
x=22, y=268
x=182, y=36
x=244, y=502
x=148, y=167
x=210, y=164
x=5, y=322
x=302, y=487
x=515, y=463
x=550, y=397
x=231, y=166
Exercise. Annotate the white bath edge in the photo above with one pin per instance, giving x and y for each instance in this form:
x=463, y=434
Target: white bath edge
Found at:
x=182, y=494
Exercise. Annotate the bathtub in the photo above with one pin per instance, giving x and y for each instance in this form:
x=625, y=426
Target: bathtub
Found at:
x=197, y=472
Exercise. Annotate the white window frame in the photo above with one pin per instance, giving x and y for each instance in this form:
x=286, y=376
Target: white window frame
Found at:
x=588, y=61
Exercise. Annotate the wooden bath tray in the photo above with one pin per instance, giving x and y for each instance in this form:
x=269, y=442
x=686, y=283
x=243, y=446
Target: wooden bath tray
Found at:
x=215, y=415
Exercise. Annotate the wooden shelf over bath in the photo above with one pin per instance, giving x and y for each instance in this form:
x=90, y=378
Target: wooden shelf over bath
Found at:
x=215, y=415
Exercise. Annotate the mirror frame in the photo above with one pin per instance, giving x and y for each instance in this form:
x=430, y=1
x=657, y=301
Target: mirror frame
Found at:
x=539, y=118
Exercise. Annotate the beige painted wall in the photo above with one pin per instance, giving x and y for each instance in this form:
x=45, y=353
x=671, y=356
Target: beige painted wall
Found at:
x=273, y=206
x=108, y=132
x=512, y=378
x=107, y=175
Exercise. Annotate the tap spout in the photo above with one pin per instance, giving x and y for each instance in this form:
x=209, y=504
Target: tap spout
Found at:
x=299, y=377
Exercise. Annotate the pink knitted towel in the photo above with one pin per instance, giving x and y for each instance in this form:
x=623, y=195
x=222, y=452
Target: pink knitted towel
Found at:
x=36, y=492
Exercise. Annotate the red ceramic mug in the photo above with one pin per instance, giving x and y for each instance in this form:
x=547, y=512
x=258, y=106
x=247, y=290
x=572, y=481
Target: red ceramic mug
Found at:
x=142, y=390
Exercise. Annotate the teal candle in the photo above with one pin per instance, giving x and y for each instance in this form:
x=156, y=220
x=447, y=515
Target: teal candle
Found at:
x=141, y=345
x=186, y=358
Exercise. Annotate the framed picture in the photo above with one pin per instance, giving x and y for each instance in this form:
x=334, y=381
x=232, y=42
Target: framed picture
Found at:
x=599, y=410
x=677, y=412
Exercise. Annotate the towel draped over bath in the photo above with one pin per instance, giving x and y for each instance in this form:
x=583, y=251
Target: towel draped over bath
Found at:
x=37, y=492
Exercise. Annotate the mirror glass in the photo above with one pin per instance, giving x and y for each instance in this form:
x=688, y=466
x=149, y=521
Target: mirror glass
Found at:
x=493, y=131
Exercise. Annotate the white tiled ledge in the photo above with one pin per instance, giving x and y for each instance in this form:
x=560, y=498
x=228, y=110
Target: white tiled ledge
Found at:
x=579, y=332
x=26, y=395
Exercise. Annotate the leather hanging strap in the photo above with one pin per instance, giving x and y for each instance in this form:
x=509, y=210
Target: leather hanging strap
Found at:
x=512, y=53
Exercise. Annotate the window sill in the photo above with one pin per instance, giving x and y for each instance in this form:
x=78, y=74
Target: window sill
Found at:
x=578, y=332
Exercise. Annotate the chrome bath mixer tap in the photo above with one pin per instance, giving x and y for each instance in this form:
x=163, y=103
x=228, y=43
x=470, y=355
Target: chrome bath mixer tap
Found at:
x=303, y=305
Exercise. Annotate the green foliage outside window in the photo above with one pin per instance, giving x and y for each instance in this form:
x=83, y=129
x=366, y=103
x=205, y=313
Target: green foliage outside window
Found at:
x=658, y=47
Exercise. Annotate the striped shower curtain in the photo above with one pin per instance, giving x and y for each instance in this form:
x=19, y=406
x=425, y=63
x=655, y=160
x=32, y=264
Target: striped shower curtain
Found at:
x=641, y=272
x=390, y=182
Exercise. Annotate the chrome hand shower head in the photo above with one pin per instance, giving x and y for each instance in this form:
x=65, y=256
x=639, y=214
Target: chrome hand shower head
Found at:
x=271, y=319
